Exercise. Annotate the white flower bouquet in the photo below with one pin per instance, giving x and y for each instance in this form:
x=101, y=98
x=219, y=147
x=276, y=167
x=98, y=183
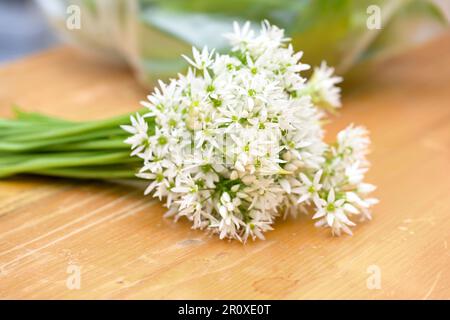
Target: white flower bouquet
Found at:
x=230, y=145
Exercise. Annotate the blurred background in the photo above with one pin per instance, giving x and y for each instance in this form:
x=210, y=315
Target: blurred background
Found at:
x=150, y=35
x=23, y=29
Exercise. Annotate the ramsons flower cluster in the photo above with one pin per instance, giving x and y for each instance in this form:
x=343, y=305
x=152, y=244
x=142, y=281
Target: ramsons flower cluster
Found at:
x=238, y=141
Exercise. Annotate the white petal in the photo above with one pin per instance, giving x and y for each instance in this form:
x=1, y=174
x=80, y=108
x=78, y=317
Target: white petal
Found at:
x=319, y=214
x=330, y=219
x=348, y=207
x=303, y=198
x=180, y=189
x=331, y=196
x=285, y=185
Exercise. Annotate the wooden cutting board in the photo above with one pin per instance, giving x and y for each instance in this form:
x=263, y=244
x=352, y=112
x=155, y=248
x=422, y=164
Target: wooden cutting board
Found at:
x=69, y=239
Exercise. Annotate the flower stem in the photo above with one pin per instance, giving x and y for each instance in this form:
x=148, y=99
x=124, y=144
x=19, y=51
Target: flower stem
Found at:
x=33, y=143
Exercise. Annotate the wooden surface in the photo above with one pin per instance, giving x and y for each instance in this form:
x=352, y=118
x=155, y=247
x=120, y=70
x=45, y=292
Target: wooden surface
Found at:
x=125, y=249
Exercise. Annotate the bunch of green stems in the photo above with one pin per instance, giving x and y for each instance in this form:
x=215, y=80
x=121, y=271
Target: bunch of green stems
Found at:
x=32, y=143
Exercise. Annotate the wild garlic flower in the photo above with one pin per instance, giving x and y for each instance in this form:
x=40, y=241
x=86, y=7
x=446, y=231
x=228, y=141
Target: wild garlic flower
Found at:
x=237, y=141
x=322, y=88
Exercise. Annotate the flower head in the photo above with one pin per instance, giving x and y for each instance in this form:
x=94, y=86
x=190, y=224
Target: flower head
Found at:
x=238, y=139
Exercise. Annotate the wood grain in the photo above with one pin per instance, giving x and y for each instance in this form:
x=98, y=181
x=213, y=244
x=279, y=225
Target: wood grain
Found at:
x=125, y=249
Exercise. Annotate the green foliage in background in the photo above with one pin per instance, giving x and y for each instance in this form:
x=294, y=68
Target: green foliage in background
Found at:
x=152, y=34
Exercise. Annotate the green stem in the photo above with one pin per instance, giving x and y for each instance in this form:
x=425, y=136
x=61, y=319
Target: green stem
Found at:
x=74, y=129
x=83, y=173
x=61, y=160
x=37, y=117
x=37, y=144
x=15, y=146
x=105, y=144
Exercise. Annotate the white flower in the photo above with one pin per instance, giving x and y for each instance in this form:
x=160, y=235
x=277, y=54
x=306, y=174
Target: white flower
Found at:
x=332, y=212
x=353, y=142
x=257, y=226
x=202, y=60
x=139, y=131
x=240, y=36
x=309, y=190
x=238, y=139
x=323, y=89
